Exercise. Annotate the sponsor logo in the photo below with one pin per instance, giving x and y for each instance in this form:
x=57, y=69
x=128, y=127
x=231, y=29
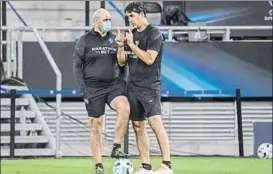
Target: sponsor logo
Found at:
x=269, y=16
x=104, y=50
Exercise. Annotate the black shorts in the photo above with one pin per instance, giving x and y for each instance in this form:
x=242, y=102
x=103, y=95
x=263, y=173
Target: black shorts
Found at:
x=98, y=97
x=144, y=104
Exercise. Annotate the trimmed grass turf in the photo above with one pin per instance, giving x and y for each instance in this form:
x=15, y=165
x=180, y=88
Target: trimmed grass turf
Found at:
x=181, y=165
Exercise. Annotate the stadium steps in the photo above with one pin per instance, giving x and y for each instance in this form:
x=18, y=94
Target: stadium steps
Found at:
x=18, y=114
x=187, y=123
x=25, y=139
x=205, y=121
x=71, y=130
x=19, y=102
x=32, y=134
x=255, y=112
x=22, y=127
x=186, y=120
x=29, y=152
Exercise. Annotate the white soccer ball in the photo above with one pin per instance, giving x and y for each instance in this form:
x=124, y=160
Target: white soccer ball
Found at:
x=123, y=166
x=265, y=151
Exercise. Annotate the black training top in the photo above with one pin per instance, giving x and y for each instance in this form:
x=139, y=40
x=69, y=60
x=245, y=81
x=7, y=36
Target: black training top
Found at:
x=95, y=60
x=145, y=76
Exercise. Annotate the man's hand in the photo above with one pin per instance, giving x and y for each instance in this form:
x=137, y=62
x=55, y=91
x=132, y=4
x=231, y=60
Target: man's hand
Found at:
x=120, y=39
x=129, y=37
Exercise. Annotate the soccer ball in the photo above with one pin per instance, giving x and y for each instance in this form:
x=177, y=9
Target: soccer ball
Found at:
x=123, y=166
x=265, y=151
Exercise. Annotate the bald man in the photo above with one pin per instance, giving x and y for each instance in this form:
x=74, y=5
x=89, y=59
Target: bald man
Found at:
x=98, y=75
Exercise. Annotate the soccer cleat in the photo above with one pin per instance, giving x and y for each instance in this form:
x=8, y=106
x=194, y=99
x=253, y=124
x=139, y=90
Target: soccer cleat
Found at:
x=99, y=170
x=118, y=153
x=141, y=170
x=164, y=169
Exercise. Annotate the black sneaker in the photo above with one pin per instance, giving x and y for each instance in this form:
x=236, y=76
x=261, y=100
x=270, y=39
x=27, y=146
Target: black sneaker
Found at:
x=118, y=153
x=99, y=170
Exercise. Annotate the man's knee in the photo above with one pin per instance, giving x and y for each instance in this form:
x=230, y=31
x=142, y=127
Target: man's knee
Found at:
x=96, y=125
x=122, y=106
x=156, y=123
x=124, y=110
x=139, y=127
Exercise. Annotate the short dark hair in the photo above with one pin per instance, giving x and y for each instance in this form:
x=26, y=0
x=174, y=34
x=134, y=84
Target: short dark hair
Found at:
x=136, y=7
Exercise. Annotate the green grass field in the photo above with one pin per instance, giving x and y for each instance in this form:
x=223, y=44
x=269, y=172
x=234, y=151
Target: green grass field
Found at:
x=181, y=165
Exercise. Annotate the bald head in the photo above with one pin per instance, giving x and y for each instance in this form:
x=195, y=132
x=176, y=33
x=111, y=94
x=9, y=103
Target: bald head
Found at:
x=102, y=21
x=101, y=14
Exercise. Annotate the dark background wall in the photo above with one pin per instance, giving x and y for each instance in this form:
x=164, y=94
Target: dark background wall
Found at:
x=206, y=66
x=37, y=70
x=232, y=12
x=229, y=13
x=251, y=52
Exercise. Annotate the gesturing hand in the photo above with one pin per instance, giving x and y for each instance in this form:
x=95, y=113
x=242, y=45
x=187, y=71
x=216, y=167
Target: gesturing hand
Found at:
x=129, y=37
x=120, y=39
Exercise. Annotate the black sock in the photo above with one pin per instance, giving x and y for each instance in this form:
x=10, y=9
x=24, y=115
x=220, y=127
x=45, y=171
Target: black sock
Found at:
x=167, y=163
x=99, y=165
x=147, y=166
x=116, y=146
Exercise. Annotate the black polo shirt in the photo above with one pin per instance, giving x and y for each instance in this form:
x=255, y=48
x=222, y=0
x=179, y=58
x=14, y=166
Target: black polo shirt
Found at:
x=95, y=60
x=141, y=75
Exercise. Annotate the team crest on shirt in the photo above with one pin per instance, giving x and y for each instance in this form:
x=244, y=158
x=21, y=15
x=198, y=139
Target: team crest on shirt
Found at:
x=137, y=43
x=111, y=40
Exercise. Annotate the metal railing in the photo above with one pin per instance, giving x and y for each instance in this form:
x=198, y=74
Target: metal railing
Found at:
x=58, y=87
x=20, y=65
x=171, y=30
x=55, y=69
x=7, y=42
